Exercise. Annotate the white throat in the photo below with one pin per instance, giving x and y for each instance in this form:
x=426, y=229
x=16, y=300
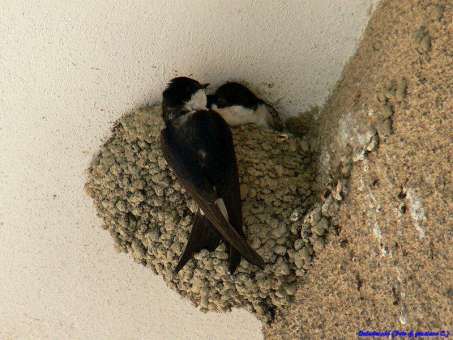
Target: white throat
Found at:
x=198, y=101
x=236, y=115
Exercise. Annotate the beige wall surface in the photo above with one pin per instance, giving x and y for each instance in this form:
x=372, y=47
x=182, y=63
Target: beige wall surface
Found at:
x=68, y=69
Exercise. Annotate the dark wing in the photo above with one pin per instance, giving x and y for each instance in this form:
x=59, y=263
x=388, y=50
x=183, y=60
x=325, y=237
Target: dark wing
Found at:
x=191, y=177
x=202, y=236
x=229, y=190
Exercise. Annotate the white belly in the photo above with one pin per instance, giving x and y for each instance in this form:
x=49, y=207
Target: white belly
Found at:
x=238, y=115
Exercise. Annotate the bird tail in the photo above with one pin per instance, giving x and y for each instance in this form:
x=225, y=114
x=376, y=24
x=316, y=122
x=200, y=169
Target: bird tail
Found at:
x=202, y=236
x=234, y=258
x=205, y=236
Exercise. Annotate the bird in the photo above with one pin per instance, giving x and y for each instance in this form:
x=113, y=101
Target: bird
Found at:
x=238, y=105
x=198, y=146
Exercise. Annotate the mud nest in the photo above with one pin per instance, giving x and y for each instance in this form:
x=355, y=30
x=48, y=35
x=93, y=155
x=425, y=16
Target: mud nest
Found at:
x=150, y=216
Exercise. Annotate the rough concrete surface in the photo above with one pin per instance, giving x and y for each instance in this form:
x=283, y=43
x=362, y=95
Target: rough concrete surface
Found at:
x=69, y=69
x=391, y=265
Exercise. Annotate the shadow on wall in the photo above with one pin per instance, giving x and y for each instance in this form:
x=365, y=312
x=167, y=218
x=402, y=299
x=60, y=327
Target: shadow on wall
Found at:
x=291, y=52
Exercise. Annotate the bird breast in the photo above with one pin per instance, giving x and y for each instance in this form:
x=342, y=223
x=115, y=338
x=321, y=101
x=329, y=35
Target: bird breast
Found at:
x=239, y=115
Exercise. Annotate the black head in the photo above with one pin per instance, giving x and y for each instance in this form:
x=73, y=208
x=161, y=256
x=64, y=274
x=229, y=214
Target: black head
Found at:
x=182, y=95
x=232, y=93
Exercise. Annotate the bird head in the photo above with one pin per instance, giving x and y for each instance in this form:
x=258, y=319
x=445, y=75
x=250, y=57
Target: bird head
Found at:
x=182, y=96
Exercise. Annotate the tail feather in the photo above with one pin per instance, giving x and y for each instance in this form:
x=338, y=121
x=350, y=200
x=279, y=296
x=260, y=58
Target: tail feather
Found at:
x=234, y=258
x=202, y=236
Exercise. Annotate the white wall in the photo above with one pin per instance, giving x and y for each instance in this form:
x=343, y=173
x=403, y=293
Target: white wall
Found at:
x=68, y=69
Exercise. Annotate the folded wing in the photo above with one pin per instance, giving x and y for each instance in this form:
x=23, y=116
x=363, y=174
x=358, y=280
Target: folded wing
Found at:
x=191, y=177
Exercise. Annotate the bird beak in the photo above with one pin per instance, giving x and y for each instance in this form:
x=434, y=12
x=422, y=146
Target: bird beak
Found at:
x=203, y=86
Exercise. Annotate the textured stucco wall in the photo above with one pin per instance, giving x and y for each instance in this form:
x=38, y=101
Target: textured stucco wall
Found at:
x=68, y=70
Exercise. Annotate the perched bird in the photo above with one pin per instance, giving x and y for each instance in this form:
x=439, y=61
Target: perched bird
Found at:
x=238, y=105
x=198, y=146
